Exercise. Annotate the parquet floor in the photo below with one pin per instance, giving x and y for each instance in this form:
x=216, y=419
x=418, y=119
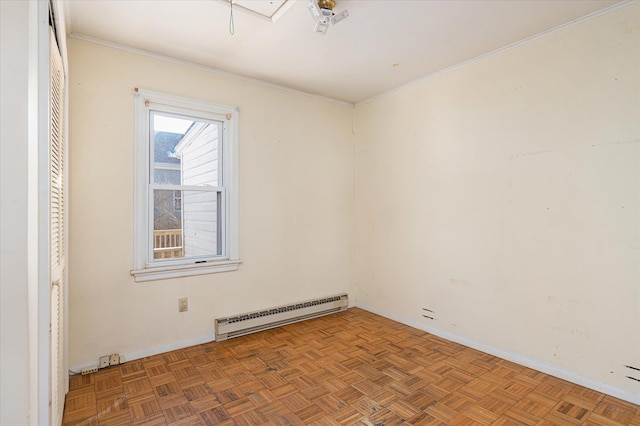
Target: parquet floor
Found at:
x=350, y=368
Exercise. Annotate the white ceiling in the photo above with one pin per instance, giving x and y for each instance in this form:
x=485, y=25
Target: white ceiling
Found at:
x=382, y=45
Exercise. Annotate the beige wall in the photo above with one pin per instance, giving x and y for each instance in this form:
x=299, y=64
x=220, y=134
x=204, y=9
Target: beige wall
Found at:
x=14, y=264
x=505, y=197
x=296, y=205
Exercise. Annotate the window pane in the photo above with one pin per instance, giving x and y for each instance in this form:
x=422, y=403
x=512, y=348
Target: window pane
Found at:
x=167, y=176
x=167, y=226
x=186, y=224
x=185, y=152
x=199, y=153
x=167, y=133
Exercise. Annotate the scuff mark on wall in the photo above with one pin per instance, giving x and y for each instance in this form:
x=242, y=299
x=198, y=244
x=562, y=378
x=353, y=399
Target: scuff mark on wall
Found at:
x=573, y=331
x=552, y=299
x=460, y=282
x=430, y=314
x=529, y=154
x=615, y=143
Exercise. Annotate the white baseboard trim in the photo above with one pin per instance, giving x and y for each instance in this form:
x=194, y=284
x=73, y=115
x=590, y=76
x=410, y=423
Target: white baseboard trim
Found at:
x=132, y=356
x=514, y=357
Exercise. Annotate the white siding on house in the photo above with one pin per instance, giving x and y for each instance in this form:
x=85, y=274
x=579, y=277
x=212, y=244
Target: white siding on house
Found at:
x=199, y=152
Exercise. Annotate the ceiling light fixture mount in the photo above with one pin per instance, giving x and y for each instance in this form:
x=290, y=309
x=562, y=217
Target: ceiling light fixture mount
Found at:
x=326, y=4
x=323, y=15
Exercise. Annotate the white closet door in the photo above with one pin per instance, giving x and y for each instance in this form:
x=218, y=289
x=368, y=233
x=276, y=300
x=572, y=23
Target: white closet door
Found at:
x=57, y=238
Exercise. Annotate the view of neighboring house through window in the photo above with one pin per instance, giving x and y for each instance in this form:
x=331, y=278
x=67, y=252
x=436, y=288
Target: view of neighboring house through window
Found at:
x=186, y=184
x=186, y=208
x=167, y=223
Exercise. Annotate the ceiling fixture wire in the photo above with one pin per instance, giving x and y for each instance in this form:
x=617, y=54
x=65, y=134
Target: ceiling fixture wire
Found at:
x=232, y=28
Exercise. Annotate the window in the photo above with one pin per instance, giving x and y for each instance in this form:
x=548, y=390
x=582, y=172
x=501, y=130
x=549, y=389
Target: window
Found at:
x=177, y=201
x=186, y=200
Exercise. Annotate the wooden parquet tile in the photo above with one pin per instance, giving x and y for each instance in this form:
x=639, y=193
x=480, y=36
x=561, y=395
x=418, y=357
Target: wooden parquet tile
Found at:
x=350, y=368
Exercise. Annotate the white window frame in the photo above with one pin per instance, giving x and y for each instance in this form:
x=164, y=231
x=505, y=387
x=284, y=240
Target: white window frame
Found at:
x=145, y=267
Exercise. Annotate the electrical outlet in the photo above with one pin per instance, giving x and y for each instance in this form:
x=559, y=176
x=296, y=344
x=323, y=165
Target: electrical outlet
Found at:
x=183, y=304
x=89, y=370
x=104, y=361
x=114, y=359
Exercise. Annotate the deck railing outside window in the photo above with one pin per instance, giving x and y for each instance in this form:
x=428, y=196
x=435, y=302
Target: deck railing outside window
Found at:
x=167, y=243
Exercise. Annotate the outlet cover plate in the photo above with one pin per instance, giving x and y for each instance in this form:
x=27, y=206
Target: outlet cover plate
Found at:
x=89, y=370
x=104, y=361
x=183, y=304
x=114, y=359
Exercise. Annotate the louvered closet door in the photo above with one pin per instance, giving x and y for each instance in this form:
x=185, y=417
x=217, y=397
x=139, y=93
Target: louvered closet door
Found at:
x=57, y=238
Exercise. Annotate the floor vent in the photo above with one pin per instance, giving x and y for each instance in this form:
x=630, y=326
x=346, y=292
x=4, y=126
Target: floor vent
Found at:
x=239, y=325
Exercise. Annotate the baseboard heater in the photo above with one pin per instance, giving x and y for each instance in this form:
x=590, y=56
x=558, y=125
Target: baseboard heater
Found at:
x=252, y=322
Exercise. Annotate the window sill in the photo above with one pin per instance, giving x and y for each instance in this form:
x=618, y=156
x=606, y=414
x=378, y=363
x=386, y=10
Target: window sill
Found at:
x=178, y=271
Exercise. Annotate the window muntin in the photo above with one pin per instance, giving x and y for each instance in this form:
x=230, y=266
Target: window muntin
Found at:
x=186, y=201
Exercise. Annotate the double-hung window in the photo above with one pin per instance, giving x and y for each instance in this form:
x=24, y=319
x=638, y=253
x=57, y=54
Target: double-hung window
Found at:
x=186, y=199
